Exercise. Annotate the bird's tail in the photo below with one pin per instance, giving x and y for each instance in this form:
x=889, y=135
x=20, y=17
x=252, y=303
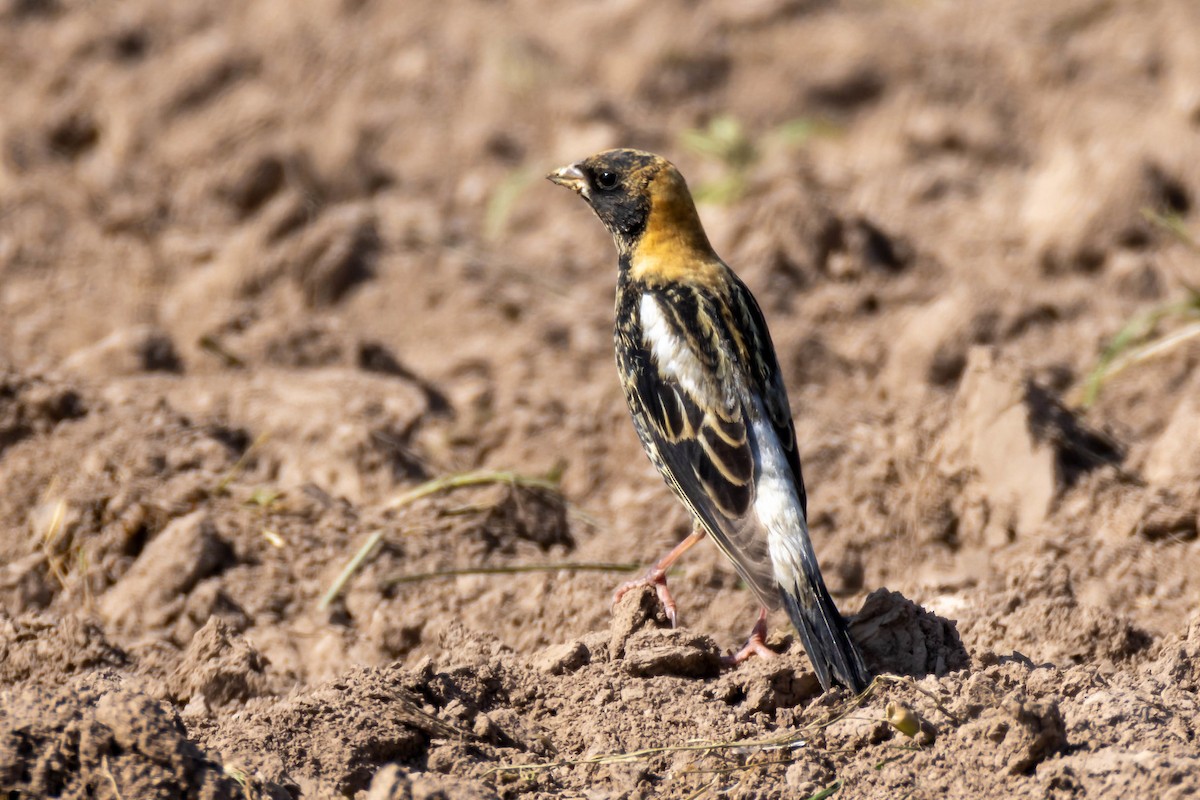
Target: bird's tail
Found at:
x=823, y=631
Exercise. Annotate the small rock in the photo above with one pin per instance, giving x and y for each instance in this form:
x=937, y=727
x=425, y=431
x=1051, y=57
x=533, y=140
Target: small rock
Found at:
x=196, y=709
x=768, y=686
x=799, y=779
x=486, y=729
x=631, y=693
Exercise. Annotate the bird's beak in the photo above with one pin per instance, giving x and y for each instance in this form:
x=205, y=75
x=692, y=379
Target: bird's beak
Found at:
x=572, y=177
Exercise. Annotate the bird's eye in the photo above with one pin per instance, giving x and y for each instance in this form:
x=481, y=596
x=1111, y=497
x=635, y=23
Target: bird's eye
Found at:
x=606, y=179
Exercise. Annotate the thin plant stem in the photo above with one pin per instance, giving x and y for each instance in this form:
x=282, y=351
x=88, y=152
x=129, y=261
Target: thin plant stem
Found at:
x=446, y=483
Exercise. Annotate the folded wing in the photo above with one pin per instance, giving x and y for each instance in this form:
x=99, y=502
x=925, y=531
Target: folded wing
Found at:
x=690, y=406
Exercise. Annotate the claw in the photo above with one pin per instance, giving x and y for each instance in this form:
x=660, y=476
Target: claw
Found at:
x=756, y=645
x=658, y=579
x=656, y=576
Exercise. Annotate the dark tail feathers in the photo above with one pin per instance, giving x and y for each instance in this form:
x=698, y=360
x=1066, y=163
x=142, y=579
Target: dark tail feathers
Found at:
x=825, y=636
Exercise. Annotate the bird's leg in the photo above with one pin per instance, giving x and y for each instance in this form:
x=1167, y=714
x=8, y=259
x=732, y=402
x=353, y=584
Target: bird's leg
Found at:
x=656, y=576
x=756, y=645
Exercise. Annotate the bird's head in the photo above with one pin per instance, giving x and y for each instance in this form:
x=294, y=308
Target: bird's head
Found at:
x=643, y=201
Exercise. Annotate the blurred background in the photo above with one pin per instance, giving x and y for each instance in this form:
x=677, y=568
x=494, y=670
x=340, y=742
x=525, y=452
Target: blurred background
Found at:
x=280, y=262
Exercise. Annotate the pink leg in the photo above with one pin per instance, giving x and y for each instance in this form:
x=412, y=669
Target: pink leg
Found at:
x=656, y=576
x=756, y=645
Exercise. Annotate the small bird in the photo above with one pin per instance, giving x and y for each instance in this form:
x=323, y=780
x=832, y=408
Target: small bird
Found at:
x=708, y=402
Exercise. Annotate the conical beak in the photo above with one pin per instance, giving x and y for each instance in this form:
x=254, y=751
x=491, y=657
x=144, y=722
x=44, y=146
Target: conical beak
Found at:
x=570, y=176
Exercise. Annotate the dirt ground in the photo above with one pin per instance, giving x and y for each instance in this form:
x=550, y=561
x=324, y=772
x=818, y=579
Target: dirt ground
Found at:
x=266, y=267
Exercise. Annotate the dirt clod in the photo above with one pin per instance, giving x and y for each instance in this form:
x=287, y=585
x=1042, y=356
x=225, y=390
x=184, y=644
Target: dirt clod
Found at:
x=637, y=610
x=172, y=563
x=394, y=782
x=218, y=666
x=352, y=724
x=565, y=657
x=654, y=651
x=44, y=647
x=65, y=739
x=1019, y=734
x=898, y=636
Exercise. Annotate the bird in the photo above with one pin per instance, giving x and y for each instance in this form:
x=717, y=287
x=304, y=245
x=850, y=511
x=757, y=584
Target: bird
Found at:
x=708, y=402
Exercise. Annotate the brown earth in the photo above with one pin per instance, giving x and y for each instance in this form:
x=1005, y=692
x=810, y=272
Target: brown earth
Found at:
x=264, y=267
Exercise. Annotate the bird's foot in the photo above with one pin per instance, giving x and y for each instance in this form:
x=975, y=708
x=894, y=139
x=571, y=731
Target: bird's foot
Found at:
x=655, y=577
x=756, y=645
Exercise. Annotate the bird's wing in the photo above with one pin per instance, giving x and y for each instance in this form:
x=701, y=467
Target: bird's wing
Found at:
x=767, y=380
x=691, y=405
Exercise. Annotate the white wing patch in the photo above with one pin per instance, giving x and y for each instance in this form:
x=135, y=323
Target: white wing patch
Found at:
x=674, y=358
x=778, y=508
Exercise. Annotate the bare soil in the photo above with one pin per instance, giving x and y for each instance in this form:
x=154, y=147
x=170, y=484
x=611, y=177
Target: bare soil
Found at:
x=264, y=267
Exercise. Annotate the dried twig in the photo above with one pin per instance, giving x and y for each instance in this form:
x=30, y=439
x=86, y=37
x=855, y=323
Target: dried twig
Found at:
x=518, y=569
x=462, y=480
x=446, y=483
x=791, y=740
